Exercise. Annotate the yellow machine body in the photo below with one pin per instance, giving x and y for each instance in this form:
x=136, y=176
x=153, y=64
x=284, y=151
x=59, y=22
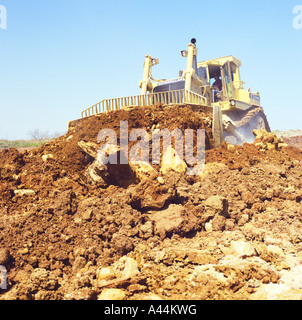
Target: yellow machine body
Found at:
x=236, y=111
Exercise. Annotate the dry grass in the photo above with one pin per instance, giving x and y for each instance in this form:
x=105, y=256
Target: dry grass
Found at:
x=22, y=143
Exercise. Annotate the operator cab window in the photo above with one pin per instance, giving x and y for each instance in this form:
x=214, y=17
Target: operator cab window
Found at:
x=202, y=73
x=213, y=71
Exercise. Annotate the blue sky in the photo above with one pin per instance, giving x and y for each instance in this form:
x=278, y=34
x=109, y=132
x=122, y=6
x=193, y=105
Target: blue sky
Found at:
x=58, y=57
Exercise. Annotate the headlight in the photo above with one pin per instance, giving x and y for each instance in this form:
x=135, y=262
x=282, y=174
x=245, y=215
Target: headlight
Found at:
x=155, y=61
x=184, y=53
x=233, y=103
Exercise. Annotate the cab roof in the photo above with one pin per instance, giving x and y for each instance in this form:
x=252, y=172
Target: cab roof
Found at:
x=220, y=61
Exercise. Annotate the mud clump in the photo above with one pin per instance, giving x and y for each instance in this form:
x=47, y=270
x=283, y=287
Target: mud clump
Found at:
x=74, y=229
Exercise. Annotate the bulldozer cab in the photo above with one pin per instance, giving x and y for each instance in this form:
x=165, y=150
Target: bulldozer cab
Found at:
x=232, y=94
x=227, y=69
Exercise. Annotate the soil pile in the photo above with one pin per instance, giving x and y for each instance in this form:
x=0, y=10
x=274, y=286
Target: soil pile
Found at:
x=294, y=141
x=72, y=228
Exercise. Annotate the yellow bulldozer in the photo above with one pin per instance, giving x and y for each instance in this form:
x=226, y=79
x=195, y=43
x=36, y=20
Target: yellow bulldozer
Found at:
x=214, y=84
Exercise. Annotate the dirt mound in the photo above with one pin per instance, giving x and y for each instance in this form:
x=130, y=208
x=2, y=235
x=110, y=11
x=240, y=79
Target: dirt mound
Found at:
x=73, y=229
x=294, y=141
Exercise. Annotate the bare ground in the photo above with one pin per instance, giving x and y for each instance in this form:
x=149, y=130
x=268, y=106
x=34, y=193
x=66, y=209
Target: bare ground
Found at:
x=69, y=230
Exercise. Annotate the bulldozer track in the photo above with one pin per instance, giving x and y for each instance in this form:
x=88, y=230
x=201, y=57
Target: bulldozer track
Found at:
x=251, y=114
x=248, y=117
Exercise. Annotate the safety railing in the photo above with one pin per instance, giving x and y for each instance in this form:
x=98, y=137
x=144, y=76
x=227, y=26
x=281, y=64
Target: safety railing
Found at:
x=167, y=97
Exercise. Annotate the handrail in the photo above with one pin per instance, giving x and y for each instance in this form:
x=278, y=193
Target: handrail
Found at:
x=167, y=97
